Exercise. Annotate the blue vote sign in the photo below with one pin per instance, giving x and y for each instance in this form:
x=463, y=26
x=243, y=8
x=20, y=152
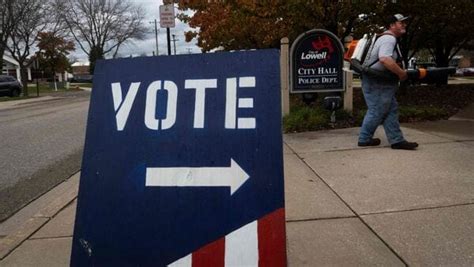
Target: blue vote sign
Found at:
x=183, y=163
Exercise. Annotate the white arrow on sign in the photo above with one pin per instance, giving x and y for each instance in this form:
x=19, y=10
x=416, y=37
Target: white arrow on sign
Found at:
x=233, y=176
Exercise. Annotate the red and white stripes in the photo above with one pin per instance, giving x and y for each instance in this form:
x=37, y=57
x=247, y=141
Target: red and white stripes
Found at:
x=259, y=243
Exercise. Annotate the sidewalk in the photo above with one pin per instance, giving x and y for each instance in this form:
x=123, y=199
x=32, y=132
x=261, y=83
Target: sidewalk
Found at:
x=345, y=205
x=452, y=80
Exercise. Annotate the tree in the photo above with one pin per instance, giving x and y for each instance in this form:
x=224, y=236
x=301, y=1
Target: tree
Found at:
x=6, y=26
x=33, y=21
x=10, y=14
x=102, y=26
x=444, y=32
x=441, y=26
x=53, y=52
x=246, y=24
x=449, y=31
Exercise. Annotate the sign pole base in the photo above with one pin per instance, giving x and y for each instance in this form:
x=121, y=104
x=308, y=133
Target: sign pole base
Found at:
x=348, y=92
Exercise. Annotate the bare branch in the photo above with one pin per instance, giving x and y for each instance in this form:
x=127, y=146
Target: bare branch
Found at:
x=103, y=25
x=31, y=19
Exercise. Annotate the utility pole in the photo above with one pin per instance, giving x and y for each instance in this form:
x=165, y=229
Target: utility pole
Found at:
x=36, y=65
x=174, y=43
x=156, y=37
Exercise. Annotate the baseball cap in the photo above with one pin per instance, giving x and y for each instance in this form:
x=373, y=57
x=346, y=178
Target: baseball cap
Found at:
x=394, y=18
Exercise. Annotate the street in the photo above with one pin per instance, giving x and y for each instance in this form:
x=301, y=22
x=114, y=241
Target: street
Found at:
x=41, y=145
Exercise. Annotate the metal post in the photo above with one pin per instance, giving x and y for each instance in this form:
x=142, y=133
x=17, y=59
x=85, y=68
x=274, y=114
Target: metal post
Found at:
x=284, y=74
x=348, y=92
x=169, y=41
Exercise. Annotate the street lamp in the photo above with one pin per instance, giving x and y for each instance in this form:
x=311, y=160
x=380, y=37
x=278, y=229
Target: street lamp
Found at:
x=174, y=42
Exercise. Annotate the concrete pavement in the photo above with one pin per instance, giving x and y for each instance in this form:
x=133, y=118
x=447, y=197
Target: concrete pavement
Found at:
x=345, y=205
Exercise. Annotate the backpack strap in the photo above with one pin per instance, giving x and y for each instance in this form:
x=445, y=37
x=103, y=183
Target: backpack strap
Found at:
x=397, y=48
x=400, y=56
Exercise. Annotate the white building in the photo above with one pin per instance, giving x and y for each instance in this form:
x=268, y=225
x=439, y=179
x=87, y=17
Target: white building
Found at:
x=11, y=67
x=80, y=67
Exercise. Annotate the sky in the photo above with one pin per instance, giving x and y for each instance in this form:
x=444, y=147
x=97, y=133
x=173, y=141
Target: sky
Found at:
x=147, y=46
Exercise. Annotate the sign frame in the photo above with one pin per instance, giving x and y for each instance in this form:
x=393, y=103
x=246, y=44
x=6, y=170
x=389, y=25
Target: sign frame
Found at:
x=340, y=70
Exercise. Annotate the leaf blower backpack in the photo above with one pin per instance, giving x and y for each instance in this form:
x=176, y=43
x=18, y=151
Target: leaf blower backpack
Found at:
x=358, y=52
x=357, y=56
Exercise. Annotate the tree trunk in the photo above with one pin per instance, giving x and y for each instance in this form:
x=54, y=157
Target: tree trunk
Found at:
x=96, y=53
x=441, y=60
x=24, y=79
x=54, y=79
x=2, y=52
x=404, y=49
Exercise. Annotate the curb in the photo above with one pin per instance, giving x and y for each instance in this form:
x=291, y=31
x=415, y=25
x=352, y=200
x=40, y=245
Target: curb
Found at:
x=15, y=103
x=86, y=89
x=33, y=224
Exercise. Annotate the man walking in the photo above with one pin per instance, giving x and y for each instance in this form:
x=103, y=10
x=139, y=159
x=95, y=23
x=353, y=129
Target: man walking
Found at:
x=379, y=91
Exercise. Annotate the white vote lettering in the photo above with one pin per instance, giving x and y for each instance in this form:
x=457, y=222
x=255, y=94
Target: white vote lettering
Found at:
x=150, y=109
x=231, y=119
x=123, y=106
x=200, y=103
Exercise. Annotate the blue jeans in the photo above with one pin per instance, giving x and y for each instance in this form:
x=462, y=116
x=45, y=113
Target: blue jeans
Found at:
x=382, y=109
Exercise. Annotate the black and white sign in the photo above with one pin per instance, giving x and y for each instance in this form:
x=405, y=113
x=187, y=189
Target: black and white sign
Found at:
x=316, y=63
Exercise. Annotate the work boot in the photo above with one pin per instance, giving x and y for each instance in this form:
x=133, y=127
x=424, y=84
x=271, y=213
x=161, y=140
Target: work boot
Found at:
x=372, y=142
x=405, y=145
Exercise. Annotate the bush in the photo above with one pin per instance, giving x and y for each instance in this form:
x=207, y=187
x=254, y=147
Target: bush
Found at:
x=421, y=113
x=305, y=118
x=359, y=117
x=420, y=103
x=409, y=114
x=310, y=118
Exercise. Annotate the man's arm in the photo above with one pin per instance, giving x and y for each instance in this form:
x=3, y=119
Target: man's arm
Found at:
x=390, y=64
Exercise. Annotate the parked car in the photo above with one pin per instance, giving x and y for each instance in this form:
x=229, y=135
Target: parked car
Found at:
x=82, y=78
x=465, y=72
x=10, y=86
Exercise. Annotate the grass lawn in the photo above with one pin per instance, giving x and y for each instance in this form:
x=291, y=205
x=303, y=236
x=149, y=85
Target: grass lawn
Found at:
x=42, y=90
x=87, y=85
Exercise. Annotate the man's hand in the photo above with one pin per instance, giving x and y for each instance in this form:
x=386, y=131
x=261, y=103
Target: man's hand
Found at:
x=392, y=66
x=403, y=75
